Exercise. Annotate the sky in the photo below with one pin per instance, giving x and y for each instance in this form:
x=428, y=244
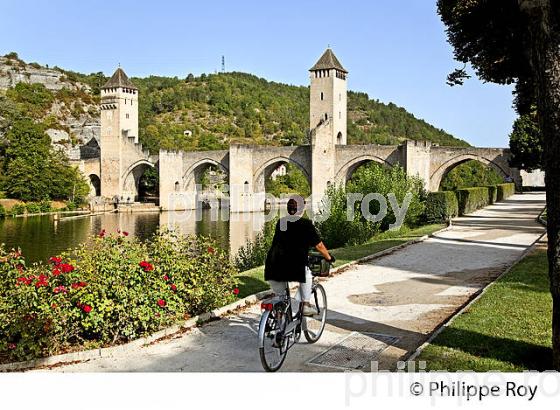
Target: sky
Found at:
x=395, y=50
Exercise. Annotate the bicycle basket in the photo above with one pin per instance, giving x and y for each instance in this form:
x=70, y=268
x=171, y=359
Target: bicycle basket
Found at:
x=318, y=265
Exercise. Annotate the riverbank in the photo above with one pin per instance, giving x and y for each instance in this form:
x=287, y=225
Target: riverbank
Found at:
x=252, y=281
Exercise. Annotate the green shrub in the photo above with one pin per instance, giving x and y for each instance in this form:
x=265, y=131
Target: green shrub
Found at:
x=441, y=206
x=110, y=290
x=33, y=208
x=372, y=178
x=492, y=193
x=471, y=199
x=17, y=209
x=2, y=211
x=254, y=252
x=505, y=190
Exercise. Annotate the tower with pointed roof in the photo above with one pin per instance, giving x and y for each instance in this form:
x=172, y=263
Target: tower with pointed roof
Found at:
x=119, y=126
x=327, y=121
x=328, y=96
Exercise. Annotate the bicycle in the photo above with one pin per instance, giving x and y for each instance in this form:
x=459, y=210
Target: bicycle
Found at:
x=280, y=329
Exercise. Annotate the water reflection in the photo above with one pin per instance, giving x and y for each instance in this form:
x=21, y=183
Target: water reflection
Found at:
x=43, y=236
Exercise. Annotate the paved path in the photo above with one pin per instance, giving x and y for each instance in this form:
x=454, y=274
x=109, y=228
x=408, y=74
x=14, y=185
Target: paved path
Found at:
x=377, y=311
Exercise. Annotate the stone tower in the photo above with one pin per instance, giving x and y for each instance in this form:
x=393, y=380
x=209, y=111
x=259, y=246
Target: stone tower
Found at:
x=119, y=125
x=328, y=95
x=327, y=121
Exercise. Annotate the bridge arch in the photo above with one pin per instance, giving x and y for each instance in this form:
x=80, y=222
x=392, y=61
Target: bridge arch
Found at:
x=193, y=174
x=437, y=175
x=131, y=179
x=347, y=170
x=265, y=170
x=94, y=184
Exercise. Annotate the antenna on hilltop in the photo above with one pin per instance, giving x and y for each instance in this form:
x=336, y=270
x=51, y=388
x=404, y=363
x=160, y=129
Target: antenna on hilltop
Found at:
x=223, y=64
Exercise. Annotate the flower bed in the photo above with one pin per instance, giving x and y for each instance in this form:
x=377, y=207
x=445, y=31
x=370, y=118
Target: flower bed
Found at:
x=108, y=291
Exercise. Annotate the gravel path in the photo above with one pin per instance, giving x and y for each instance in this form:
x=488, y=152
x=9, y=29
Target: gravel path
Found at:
x=378, y=311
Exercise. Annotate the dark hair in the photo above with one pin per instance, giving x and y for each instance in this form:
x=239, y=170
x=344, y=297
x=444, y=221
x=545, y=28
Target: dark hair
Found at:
x=292, y=206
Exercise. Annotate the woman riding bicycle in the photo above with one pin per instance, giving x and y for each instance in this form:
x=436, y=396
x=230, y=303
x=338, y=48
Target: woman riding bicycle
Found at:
x=287, y=258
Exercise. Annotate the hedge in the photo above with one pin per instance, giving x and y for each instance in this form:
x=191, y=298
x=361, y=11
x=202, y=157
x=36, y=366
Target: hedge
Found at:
x=505, y=190
x=441, y=206
x=492, y=194
x=471, y=199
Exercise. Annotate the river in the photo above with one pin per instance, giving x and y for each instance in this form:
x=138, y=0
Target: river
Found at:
x=40, y=237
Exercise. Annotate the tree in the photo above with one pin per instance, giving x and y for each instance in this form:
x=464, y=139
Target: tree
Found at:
x=525, y=143
x=34, y=171
x=518, y=42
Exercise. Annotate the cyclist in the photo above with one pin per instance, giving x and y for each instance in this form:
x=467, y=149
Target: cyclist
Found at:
x=287, y=258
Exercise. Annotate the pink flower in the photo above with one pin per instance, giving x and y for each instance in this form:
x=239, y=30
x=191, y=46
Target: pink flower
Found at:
x=12, y=346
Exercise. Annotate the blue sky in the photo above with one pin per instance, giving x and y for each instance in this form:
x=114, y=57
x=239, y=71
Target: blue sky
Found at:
x=395, y=50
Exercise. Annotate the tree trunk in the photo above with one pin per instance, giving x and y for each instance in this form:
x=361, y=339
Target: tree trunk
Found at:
x=544, y=51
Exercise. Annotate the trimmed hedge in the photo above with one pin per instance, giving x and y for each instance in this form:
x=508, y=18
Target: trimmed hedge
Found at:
x=492, y=194
x=471, y=199
x=505, y=190
x=441, y=206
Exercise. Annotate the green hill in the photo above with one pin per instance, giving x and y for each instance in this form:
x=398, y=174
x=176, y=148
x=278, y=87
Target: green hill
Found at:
x=236, y=107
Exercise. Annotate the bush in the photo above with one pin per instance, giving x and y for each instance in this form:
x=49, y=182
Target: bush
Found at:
x=471, y=199
x=33, y=208
x=338, y=231
x=110, y=290
x=254, y=252
x=492, y=194
x=505, y=190
x=2, y=211
x=441, y=206
x=17, y=209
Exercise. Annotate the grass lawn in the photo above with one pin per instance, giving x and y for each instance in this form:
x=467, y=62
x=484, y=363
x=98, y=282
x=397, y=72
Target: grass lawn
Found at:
x=507, y=329
x=252, y=281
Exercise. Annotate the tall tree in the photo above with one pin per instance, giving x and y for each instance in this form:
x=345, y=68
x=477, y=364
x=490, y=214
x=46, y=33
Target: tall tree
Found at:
x=518, y=41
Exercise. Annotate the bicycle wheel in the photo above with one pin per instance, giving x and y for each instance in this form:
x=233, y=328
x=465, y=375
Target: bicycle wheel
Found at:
x=313, y=326
x=272, y=355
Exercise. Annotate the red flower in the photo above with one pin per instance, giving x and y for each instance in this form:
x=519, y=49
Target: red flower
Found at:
x=210, y=249
x=56, y=271
x=78, y=285
x=66, y=267
x=86, y=308
x=173, y=288
x=125, y=233
x=165, y=278
x=102, y=233
x=236, y=291
x=59, y=289
x=55, y=260
x=147, y=266
x=161, y=303
x=20, y=268
x=42, y=281
x=54, y=306
x=12, y=346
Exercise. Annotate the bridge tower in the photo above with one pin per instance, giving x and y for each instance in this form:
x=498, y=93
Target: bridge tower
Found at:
x=327, y=121
x=119, y=126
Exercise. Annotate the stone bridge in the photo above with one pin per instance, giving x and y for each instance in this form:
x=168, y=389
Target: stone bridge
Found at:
x=248, y=167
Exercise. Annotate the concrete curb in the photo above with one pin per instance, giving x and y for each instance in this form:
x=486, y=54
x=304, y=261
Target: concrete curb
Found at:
x=106, y=352
x=465, y=306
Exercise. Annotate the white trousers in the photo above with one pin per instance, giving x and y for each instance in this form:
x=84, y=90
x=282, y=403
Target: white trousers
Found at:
x=304, y=291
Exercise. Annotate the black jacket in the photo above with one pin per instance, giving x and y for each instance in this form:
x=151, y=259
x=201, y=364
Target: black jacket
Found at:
x=287, y=258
